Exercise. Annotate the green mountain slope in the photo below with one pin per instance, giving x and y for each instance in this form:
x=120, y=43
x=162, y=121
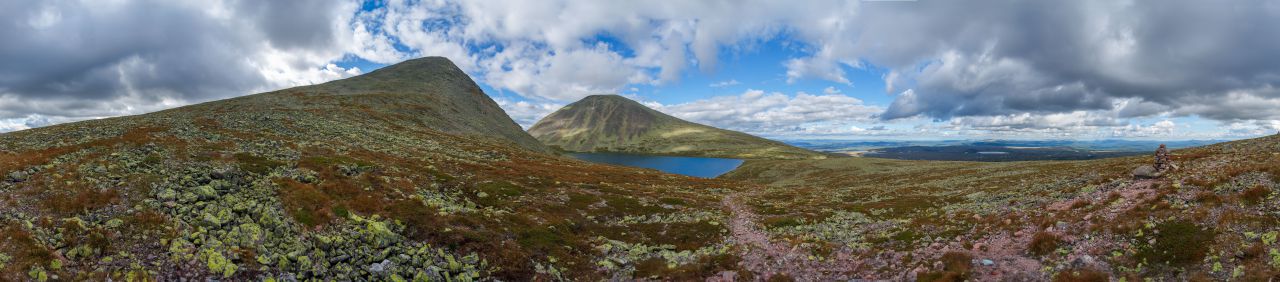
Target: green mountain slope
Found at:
x=408, y=172
x=611, y=123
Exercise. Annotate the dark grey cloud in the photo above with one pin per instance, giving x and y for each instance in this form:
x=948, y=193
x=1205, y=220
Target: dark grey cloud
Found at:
x=998, y=57
x=993, y=63
x=80, y=59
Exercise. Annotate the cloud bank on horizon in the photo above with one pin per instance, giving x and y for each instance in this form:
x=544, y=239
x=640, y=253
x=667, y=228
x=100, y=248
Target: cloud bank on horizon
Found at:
x=944, y=69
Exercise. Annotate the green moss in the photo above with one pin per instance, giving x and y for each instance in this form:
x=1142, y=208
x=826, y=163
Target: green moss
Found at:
x=782, y=222
x=341, y=212
x=581, y=201
x=541, y=239
x=256, y=164
x=907, y=236
x=501, y=188
x=152, y=160
x=672, y=201
x=4, y=260
x=497, y=193
x=627, y=205
x=332, y=161
x=1177, y=243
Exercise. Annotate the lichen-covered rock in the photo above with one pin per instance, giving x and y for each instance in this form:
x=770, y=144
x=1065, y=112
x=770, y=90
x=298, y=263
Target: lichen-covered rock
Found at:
x=205, y=192
x=115, y=223
x=167, y=195
x=18, y=176
x=1146, y=172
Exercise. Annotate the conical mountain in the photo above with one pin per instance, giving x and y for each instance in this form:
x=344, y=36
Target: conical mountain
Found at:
x=434, y=93
x=612, y=123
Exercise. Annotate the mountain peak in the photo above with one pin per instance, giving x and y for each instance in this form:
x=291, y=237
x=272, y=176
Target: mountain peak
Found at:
x=430, y=62
x=433, y=92
x=614, y=123
x=420, y=69
x=604, y=97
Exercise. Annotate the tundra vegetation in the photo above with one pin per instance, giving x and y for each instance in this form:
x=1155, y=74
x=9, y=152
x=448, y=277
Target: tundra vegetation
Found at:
x=411, y=173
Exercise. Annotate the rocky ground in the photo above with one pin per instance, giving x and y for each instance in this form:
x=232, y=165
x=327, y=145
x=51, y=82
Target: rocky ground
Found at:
x=1214, y=218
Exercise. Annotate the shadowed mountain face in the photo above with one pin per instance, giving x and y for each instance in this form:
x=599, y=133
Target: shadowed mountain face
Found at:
x=611, y=123
x=406, y=172
x=433, y=92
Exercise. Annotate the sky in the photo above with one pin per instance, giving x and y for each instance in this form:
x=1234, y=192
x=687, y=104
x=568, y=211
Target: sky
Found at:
x=927, y=69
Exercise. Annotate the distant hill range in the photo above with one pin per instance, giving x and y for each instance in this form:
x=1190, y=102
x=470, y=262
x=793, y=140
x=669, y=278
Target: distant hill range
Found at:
x=612, y=123
x=993, y=153
x=994, y=150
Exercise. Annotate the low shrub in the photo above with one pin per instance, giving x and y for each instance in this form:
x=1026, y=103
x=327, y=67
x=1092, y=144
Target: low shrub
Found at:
x=1043, y=243
x=306, y=204
x=1081, y=275
x=1255, y=195
x=956, y=267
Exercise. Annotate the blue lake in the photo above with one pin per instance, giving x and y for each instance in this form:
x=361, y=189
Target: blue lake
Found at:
x=691, y=166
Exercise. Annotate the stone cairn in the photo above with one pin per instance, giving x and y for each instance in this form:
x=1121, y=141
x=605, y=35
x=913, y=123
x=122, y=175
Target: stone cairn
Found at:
x=1162, y=164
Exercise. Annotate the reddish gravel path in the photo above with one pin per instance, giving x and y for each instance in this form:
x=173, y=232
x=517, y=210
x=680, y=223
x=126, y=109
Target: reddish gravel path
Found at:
x=768, y=258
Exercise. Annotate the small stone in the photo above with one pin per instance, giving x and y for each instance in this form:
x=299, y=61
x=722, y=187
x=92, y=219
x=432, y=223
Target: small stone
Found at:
x=1083, y=261
x=979, y=247
x=17, y=176
x=379, y=267
x=987, y=262
x=1146, y=172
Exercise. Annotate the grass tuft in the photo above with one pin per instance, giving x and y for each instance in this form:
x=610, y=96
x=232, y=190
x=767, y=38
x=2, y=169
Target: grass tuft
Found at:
x=1043, y=243
x=1255, y=195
